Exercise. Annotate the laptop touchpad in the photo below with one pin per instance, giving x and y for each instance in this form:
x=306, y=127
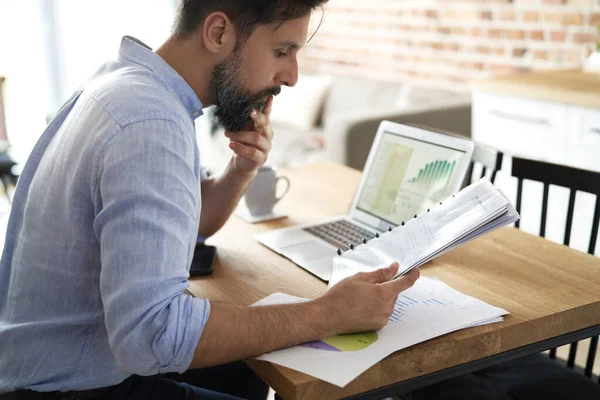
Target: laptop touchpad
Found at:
x=307, y=251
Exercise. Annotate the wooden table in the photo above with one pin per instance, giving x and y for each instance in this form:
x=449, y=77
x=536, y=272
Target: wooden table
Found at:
x=552, y=293
x=573, y=87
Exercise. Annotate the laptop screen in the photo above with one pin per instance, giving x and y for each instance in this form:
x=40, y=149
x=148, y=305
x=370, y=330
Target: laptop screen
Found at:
x=407, y=177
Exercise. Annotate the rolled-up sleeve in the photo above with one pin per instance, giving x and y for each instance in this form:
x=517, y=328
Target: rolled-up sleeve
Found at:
x=147, y=220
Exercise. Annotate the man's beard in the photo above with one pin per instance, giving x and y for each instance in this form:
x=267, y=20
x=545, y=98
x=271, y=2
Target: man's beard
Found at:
x=233, y=102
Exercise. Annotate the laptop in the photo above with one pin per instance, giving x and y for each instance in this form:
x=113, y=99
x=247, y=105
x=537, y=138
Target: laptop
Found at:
x=408, y=170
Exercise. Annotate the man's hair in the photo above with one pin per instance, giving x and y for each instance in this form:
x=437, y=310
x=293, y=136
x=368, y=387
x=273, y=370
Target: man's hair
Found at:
x=245, y=15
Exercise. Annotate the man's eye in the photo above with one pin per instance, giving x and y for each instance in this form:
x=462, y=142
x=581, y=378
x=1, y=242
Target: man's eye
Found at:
x=280, y=53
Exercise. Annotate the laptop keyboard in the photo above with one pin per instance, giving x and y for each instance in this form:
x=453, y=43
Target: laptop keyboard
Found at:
x=340, y=233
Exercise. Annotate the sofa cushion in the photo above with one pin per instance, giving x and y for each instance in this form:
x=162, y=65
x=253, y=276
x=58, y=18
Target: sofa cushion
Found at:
x=290, y=144
x=415, y=96
x=300, y=106
x=347, y=94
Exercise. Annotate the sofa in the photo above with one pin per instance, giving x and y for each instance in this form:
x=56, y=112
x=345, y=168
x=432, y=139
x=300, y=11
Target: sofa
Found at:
x=335, y=119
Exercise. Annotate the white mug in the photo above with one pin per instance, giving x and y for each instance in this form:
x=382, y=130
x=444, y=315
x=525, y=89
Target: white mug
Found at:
x=260, y=196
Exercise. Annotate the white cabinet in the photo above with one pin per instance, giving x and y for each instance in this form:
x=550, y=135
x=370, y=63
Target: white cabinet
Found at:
x=583, y=134
x=539, y=130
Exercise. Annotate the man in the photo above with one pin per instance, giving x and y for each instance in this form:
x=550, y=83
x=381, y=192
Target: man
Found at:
x=112, y=198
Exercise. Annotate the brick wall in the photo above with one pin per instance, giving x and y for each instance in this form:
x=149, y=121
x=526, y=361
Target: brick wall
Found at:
x=447, y=42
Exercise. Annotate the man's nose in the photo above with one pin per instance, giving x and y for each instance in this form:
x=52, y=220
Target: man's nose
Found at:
x=289, y=77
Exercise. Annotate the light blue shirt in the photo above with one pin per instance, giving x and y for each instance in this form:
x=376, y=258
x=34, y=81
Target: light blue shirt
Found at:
x=101, y=235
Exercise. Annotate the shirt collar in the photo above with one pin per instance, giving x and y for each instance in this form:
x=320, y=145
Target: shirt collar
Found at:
x=136, y=51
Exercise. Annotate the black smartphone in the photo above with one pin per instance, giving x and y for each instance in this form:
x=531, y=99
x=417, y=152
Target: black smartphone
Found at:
x=203, y=262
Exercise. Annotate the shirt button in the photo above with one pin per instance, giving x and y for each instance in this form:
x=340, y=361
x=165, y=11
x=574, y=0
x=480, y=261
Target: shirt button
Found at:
x=196, y=113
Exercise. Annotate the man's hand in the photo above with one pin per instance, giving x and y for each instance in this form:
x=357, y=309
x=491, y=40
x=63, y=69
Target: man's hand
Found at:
x=360, y=303
x=365, y=301
x=252, y=145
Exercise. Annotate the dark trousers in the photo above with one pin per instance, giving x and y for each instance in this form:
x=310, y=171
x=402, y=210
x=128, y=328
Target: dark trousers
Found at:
x=225, y=382
x=534, y=377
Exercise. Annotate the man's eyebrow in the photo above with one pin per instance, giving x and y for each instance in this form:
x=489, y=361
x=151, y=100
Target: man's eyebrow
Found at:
x=291, y=45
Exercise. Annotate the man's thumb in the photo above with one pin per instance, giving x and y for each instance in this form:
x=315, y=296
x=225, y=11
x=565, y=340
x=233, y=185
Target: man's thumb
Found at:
x=383, y=274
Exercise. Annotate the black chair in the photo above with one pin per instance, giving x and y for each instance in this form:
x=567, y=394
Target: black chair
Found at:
x=7, y=176
x=489, y=159
x=575, y=180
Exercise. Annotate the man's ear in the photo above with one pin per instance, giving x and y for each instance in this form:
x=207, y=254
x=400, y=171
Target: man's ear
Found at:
x=218, y=34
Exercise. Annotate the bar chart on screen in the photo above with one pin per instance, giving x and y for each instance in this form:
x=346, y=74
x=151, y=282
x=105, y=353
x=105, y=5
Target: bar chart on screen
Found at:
x=436, y=173
x=427, y=185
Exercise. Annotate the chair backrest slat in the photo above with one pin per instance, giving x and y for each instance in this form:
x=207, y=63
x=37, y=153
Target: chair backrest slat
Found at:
x=544, y=211
x=569, y=224
x=469, y=175
x=519, y=193
x=498, y=167
x=589, y=365
x=560, y=175
x=594, y=235
x=572, y=355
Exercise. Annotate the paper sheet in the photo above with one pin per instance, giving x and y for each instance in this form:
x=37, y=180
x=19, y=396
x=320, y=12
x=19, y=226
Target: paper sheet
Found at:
x=427, y=310
x=474, y=211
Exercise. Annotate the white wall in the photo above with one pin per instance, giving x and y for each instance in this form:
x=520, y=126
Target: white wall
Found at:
x=91, y=31
x=22, y=62
x=49, y=47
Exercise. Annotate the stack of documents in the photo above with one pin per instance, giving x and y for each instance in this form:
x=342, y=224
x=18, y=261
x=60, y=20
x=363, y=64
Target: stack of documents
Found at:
x=427, y=310
x=474, y=211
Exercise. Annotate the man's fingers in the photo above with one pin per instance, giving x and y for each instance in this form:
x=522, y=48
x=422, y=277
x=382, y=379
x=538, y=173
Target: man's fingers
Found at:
x=259, y=119
x=249, y=152
x=268, y=106
x=379, y=276
x=262, y=124
x=404, y=282
x=252, y=139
